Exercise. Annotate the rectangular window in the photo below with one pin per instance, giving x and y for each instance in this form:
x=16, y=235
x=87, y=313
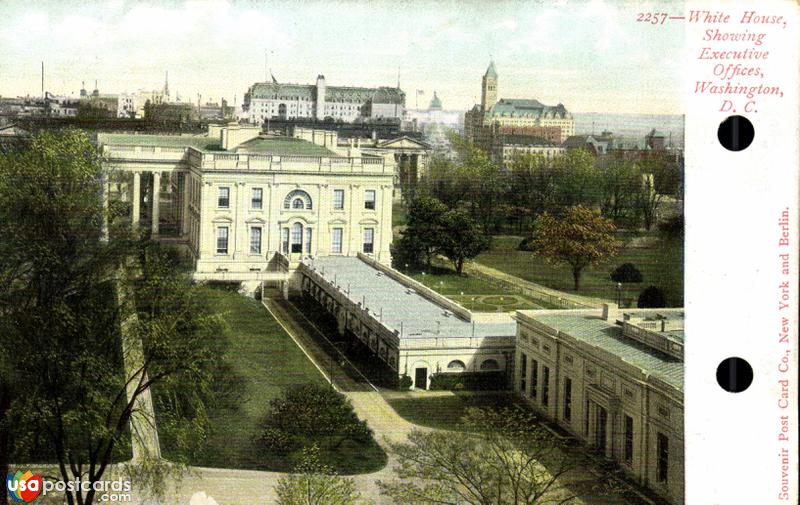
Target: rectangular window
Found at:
x=224, y=198
x=567, y=399
x=369, y=199
x=534, y=377
x=222, y=240
x=662, y=448
x=369, y=238
x=523, y=366
x=257, y=199
x=308, y=240
x=338, y=199
x=628, y=440
x=545, y=385
x=285, y=240
x=336, y=240
x=297, y=238
x=255, y=240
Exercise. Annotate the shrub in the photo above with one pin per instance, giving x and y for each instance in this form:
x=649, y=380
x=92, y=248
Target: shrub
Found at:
x=652, y=298
x=626, y=272
x=469, y=381
x=405, y=383
x=525, y=245
x=309, y=415
x=672, y=227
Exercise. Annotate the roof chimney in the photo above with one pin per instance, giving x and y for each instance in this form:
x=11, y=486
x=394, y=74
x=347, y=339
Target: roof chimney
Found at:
x=611, y=312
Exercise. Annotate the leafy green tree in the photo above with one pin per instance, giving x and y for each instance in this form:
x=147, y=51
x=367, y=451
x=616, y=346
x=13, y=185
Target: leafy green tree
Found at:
x=504, y=457
x=461, y=238
x=424, y=226
x=532, y=183
x=578, y=181
x=661, y=176
x=314, y=483
x=620, y=184
x=580, y=238
x=67, y=308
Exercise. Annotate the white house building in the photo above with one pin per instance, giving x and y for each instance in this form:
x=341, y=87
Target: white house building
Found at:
x=250, y=207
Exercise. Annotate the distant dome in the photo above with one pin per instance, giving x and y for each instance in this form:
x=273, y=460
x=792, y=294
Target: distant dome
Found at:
x=436, y=104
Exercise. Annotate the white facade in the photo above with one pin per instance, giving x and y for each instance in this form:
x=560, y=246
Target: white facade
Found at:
x=254, y=210
x=583, y=370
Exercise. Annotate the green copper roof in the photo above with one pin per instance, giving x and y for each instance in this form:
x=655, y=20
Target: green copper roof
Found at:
x=519, y=107
x=284, y=146
x=436, y=103
x=491, y=71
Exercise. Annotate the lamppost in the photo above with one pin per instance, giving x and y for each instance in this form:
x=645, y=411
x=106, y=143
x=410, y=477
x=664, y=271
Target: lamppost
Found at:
x=619, y=294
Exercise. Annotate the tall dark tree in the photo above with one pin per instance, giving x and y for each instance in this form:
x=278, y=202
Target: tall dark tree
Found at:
x=461, y=238
x=424, y=226
x=89, y=347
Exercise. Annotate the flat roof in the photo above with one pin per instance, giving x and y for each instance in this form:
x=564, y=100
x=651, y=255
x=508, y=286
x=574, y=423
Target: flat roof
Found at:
x=394, y=303
x=597, y=332
x=278, y=146
x=201, y=142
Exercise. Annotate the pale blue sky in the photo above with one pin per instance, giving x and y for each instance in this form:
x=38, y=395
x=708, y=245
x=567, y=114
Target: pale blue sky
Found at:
x=589, y=55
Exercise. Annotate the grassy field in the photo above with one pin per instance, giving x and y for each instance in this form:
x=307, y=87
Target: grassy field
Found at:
x=473, y=293
x=660, y=261
x=269, y=361
x=444, y=411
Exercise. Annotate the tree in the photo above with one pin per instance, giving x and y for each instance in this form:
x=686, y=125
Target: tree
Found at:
x=461, y=239
x=660, y=176
x=577, y=181
x=581, y=238
x=314, y=483
x=424, y=226
x=87, y=359
x=504, y=457
x=533, y=183
x=626, y=272
x=308, y=415
x=620, y=185
x=651, y=298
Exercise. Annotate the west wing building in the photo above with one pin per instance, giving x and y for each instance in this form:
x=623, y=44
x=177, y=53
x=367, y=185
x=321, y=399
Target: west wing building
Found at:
x=267, y=100
x=613, y=380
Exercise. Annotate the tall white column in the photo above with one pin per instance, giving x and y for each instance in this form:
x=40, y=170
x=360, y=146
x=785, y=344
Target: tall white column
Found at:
x=185, y=203
x=137, y=187
x=106, y=189
x=155, y=195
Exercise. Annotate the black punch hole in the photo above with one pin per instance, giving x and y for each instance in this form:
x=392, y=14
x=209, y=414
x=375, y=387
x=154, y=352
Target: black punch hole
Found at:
x=736, y=133
x=734, y=375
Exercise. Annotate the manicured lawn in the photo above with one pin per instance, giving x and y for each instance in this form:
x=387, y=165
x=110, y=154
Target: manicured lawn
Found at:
x=660, y=261
x=473, y=293
x=444, y=410
x=268, y=361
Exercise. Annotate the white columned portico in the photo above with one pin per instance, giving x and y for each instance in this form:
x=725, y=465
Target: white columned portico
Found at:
x=155, y=195
x=137, y=187
x=185, y=203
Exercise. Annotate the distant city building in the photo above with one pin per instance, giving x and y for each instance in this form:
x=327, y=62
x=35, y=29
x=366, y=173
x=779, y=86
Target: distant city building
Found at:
x=268, y=100
x=434, y=114
x=512, y=112
x=508, y=147
x=613, y=379
x=595, y=144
